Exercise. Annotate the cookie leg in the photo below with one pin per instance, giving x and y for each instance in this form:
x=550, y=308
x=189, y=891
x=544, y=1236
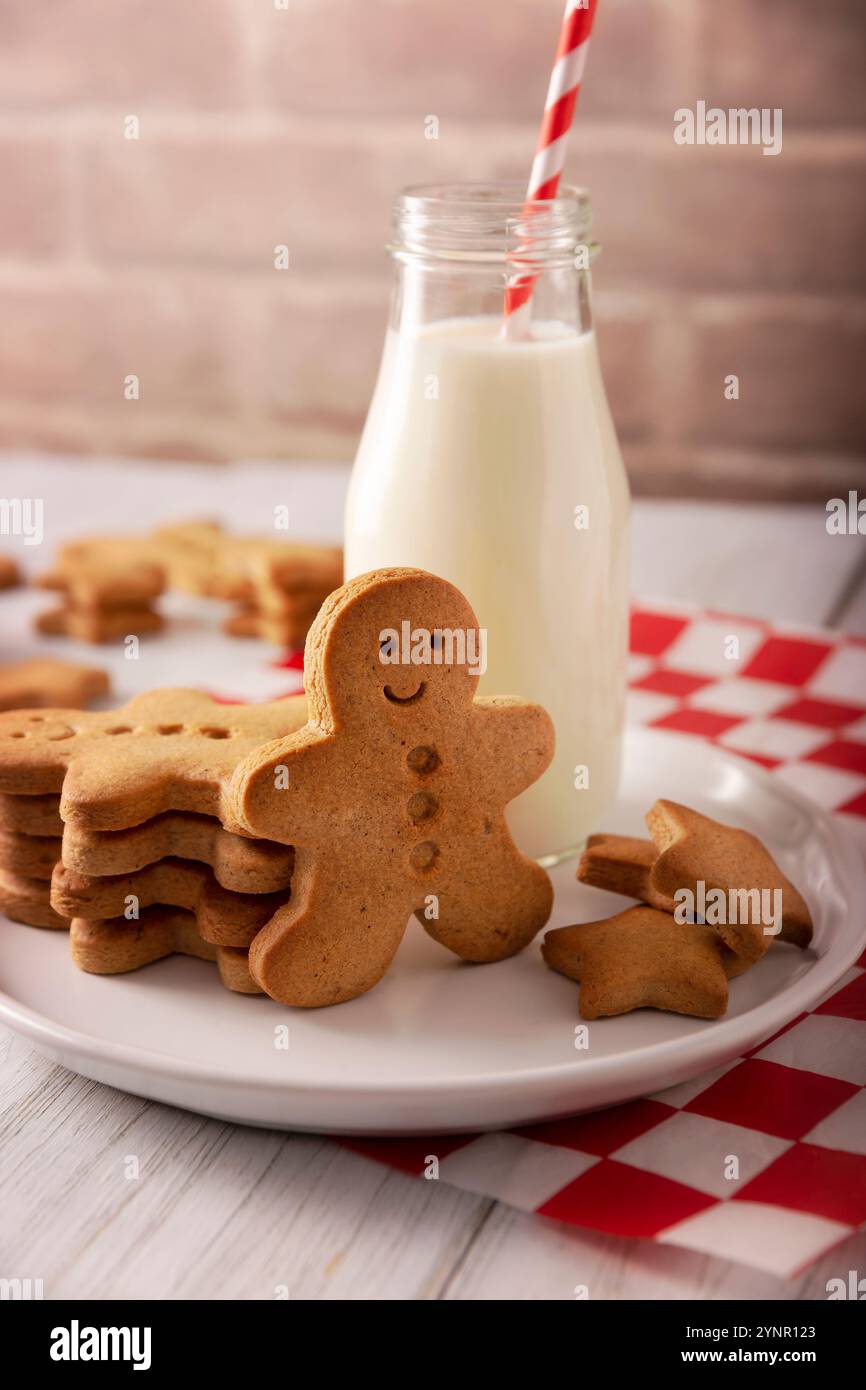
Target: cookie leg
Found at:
x=333, y=941
x=234, y=970
x=114, y=946
x=493, y=909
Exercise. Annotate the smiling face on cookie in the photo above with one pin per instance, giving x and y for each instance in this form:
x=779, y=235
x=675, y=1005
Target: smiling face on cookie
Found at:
x=408, y=642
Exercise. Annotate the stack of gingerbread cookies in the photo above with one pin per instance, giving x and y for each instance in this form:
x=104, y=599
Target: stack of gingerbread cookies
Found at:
x=109, y=583
x=105, y=598
x=289, y=841
x=277, y=587
x=112, y=825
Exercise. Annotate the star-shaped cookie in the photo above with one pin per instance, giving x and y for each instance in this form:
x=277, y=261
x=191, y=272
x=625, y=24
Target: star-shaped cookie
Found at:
x=623, y=864
x=692, y=848
x=641, y=959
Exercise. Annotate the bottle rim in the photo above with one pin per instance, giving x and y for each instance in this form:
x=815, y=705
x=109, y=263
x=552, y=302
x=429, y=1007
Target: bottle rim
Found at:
x=490, y=222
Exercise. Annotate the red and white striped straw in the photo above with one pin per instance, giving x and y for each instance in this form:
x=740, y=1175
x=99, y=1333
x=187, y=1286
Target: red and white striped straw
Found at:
x=549, y=158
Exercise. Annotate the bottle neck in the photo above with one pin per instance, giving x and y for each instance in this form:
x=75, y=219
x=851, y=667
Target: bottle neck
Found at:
x=424, y=293
x=457, y=248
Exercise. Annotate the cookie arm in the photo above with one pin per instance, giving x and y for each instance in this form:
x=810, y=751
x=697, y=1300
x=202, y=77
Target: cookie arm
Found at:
x=514, y=737
x=276, y=792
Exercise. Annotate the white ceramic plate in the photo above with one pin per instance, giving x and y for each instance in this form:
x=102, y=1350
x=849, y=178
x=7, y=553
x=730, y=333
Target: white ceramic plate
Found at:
x=441, y=1045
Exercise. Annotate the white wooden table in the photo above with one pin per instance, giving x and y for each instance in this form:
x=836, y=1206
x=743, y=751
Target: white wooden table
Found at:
x=222, y=1212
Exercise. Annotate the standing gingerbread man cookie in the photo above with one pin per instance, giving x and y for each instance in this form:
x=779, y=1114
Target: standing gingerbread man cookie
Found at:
x=394, y=795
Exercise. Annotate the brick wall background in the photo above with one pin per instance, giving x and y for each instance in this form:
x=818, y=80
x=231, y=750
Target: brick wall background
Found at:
x=261, y=125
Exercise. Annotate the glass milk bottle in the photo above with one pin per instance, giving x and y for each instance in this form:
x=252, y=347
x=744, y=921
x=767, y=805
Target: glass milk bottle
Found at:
x=492, y=460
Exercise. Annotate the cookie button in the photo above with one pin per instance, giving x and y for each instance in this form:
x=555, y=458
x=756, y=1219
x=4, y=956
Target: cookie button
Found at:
x=422, y=759
x=421, y=806
x=424, y=855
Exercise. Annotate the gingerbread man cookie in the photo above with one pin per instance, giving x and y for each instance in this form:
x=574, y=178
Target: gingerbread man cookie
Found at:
x=28, y=900
x=394, y=795
x=239, y=864
x=167, y=750
x=47, y=681
x=31, y=855
x=222, y=917
x=116, y=946
x=31, y=815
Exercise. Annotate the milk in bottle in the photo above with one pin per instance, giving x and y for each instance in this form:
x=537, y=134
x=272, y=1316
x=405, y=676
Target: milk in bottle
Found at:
x=494, y=463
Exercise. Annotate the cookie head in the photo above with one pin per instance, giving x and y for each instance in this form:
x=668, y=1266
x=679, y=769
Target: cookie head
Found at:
x=35, y=749
x=390, y=642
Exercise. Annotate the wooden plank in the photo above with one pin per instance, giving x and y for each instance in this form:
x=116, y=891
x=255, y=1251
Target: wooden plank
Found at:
x=217, y=1211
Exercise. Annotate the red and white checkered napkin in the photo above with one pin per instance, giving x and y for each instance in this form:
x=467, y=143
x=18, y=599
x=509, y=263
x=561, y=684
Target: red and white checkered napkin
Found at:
x=793, y=1109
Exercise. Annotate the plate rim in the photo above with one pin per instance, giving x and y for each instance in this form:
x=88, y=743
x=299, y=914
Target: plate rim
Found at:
x=743, y=1030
